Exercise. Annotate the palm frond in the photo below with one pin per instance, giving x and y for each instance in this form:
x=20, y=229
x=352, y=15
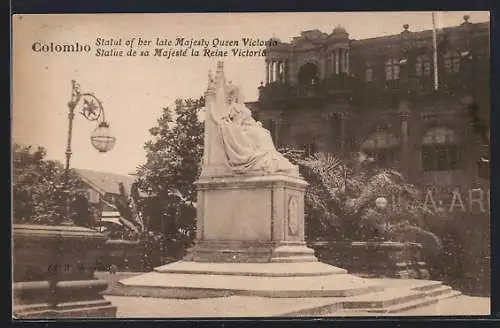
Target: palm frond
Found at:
x=329, y=169
x=134, y=191
x=122, y=190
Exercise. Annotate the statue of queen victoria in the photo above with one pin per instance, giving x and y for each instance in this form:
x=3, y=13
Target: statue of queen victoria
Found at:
x=233, y=138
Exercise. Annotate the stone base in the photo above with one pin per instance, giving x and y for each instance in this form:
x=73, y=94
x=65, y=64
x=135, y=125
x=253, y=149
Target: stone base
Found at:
x=399, y=296
x=250, y=252
x=186, y=279
x=78, y=299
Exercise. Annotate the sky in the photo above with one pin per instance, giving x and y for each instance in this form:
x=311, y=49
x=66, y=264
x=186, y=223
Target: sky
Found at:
x=134, y=90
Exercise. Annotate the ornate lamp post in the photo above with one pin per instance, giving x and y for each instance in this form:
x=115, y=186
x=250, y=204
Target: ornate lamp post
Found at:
x=63, y=254
x=101, y=138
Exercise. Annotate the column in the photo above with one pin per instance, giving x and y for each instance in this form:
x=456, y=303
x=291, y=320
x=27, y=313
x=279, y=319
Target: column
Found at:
x=341, y=60
x=332, y=63
x=274, y=130
x=336, y=52
x=286, y=71
x=342, y=133
x=277, y=71
x=279, y=124
x=406, y=160
x=347, y=61
x=267, y=72
x=271, y=72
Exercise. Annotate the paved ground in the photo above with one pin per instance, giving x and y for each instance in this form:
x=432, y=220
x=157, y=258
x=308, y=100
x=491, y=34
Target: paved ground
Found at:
x=237, y=306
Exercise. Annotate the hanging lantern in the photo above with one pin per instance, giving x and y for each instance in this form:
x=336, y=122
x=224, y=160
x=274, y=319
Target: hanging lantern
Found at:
x=381, y=202
x=101, y=138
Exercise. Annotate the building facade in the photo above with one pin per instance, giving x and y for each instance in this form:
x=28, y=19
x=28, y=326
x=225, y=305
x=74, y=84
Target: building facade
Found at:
x=382, y=96
x=328, y=92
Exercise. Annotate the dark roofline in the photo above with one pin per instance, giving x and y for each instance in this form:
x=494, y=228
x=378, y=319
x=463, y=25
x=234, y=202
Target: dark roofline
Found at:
x=418, y=34
x=412, y=35
x=129, y=175
x=82, y=174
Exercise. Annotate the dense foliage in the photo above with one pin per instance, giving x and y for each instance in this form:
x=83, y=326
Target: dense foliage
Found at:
x=173, y=157
x=36, y=186
x=340, y=201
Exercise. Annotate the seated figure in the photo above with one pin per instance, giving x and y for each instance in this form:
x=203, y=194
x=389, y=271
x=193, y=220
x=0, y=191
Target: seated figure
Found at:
x=247, y=145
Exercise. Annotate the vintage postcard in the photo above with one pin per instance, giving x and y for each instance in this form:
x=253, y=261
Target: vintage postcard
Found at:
x=329, y=164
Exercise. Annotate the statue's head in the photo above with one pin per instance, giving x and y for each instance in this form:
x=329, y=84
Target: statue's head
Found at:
x=234, y=94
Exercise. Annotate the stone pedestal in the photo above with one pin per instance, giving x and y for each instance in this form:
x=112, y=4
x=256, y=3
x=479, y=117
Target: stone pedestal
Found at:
x=250, y=241
x=54, y=273
x=251, y=219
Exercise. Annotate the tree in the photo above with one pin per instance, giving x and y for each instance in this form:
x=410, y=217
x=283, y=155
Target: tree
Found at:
x=36, y=182
x=173, y=158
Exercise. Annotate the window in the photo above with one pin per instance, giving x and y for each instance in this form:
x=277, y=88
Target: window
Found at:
x=392, y=69
x=383, y=147
x=309, y=149
x=441, y=150
x=369, y=73
x=423, y=66
x=93, y=196
x=270, y=125
x=281, y=72
x=452, y=63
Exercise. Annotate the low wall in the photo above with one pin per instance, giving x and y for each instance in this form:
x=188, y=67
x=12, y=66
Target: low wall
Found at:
x=374, y=259
x=128, y=255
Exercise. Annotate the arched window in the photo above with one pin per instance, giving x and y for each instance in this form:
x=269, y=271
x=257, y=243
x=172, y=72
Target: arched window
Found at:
x=308, y=74
x=382, y=146
x=441, y=150
x=452, y=62
x=423, y=66
x=392, y=69
x=369, y=72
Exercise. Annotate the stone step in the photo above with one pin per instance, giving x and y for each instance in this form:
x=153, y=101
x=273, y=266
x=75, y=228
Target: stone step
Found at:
x=427, y=285
x=404, y=304
x=251, y=269
x=382, y=299
x=392, y=300
x=417, y=303
x=335, y=285
x=452, y=293
x=294, y=259
x=398, y=308
x=438, y=291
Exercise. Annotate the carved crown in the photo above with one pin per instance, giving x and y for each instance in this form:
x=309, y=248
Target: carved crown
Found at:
x=218, y=83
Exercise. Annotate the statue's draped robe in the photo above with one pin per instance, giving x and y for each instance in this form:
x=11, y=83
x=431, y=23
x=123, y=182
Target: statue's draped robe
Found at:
x=247, y=145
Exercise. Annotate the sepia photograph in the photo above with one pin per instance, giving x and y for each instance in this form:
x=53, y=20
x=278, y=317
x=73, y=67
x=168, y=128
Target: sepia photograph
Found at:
x=236, y=165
